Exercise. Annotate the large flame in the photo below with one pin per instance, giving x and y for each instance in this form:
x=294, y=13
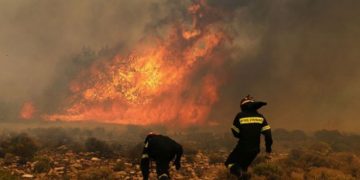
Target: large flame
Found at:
x=157, y=83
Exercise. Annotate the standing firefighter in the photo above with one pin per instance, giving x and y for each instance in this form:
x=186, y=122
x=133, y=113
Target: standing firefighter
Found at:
x=162, y=150
x=247, y=127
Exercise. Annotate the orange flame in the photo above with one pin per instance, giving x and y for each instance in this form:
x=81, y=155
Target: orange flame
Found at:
x=27, y=111
x=154, y=84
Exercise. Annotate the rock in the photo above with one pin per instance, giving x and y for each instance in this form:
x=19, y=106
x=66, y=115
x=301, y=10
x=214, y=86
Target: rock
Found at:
x=95, y=159
x=122, y=173
x=59, y=168
x=77, y=165
x=27, y=176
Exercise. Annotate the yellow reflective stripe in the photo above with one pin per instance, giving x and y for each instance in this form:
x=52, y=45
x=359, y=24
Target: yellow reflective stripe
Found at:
x=251, y=120
x=144, y=156
x=265, y=128
x=235, y=129
x=146, y=144
x=231, y=165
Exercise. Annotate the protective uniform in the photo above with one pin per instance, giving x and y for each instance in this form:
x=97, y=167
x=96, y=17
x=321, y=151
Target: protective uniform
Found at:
x=162, y=150
x=247, y=127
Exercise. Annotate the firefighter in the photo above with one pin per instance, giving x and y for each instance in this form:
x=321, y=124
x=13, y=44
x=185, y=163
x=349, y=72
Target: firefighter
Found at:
x=247, y=127
x=162, y=150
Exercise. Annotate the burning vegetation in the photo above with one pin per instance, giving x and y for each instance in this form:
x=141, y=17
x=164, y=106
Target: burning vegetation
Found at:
x=169, y=79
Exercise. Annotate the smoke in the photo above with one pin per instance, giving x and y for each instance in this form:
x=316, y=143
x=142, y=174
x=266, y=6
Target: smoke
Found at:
x=299, y=56
x=305, y=64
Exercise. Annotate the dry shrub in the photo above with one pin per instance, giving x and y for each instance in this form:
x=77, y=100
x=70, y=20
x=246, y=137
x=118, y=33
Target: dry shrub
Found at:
x=327, y=173
x=6, y=175
x=2, y=153
x=260, y=158
x=306, y=158
x=42, y=165
x=97, y=146
x=348, y=163
x=297, y=175
x=216, y=158
x=20, y=145
x=96, y=173
x=270, y=171
x=134, y=153
x=119, y=166
x=224, y=173
x=320, y=148
x=10, y=159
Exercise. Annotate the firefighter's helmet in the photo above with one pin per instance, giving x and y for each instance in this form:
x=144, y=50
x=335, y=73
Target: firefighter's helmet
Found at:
x=246, y=99
x=248, y=103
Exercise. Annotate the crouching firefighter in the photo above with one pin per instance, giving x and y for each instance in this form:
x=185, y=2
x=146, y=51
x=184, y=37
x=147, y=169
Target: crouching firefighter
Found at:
x=247, y=127
x=162, y=150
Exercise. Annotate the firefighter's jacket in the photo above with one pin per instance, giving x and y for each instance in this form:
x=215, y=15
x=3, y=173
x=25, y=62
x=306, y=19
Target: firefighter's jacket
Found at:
x=248, y=125
x=160, y=149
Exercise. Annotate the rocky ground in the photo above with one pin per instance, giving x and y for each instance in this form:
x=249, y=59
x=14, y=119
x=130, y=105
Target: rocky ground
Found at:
x=70, y=165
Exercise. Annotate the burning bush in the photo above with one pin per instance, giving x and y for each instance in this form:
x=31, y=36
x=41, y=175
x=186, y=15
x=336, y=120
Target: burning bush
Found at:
x=97, y=146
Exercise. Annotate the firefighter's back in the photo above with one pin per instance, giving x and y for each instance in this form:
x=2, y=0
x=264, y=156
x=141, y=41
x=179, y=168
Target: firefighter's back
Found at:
x=162, y=147
x=250, y=130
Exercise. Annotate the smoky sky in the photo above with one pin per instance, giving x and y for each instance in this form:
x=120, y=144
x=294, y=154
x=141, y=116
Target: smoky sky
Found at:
x=299, y=56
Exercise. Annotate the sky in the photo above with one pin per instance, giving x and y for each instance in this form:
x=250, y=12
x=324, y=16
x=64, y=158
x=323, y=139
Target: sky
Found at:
x=299, y=56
